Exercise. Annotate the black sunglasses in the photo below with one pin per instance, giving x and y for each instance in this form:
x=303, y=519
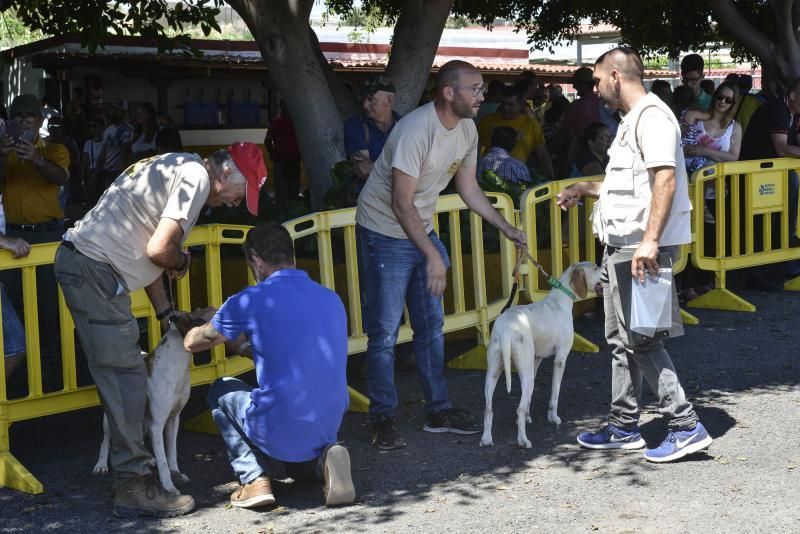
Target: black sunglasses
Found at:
x=726, y=99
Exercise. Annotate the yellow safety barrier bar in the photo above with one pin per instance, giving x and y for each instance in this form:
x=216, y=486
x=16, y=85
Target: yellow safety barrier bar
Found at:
x=570, y=233
x=750, y=198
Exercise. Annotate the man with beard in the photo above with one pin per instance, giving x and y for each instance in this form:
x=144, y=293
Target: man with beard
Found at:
x=402, y=261
x=642, y=217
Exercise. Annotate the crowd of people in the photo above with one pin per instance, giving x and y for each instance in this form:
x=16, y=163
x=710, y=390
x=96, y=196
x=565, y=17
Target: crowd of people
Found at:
x=147, y=196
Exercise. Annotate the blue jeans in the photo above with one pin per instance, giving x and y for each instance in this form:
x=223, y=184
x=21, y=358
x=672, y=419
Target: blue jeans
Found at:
x=393, y=272
x=229, y=399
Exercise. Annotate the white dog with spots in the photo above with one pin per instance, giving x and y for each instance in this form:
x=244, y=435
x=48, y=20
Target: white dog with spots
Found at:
x=526, y=335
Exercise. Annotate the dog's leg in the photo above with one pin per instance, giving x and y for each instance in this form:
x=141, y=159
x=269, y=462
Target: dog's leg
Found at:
x=101, y=467
x=493, y=369
x=559, y=363
x=171, y=438
x=524, y=408
x=536, y=363
x=157, y=440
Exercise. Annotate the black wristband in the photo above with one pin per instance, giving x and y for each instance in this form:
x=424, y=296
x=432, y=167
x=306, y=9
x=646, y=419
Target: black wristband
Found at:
x=164, y=313
x=184, y=262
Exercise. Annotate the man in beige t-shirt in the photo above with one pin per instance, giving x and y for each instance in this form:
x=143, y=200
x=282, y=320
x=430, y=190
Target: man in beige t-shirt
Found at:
x=401, y=260
x=128, y=241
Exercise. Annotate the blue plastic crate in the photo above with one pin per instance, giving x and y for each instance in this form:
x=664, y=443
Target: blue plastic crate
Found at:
x=243, y=114
x=200, y=114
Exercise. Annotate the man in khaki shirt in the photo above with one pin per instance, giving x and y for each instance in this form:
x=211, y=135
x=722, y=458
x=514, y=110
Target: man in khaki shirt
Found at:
x=128, y=241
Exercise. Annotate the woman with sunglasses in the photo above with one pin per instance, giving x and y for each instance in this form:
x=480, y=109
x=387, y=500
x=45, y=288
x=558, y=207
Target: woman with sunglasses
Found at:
x=719, y=136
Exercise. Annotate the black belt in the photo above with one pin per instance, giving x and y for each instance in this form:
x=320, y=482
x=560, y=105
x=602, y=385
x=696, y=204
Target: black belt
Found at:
x=51, y=226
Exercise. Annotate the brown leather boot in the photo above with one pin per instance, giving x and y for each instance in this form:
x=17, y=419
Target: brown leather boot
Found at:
x=338, y=487
x=256, y=493
x=144, y=496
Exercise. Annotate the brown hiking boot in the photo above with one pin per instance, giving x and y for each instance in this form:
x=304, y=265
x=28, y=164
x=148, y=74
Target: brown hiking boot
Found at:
x=144, y=496
x=338, y=487
x=256, y=493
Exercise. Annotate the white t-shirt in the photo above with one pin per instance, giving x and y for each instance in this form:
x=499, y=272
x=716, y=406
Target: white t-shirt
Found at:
x=92, y=148
x=115, y=138
x=117, y=229
x=626, y=193
x=422, y=147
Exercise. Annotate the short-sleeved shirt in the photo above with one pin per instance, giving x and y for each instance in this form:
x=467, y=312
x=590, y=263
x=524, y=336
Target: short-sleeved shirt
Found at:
x=298, y=332
x=360, y=133
x=506, y=167
x=422, y=147
x=281, y=129
x=771, y=118
x=703, y=101
x=116, y=231
x=115, y=137
x=529, y=134
x=648, y=137
x=92, y=150
x=29, y=197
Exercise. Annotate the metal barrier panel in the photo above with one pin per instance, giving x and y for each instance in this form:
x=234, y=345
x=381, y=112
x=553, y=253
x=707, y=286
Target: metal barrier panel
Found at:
x=749, y=202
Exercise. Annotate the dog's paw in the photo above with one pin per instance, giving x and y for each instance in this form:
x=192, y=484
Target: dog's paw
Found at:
x=100, y=469
x=524, y=443
x=528, y=419
x=178, y=478
x=487, y=442
x=554, y=419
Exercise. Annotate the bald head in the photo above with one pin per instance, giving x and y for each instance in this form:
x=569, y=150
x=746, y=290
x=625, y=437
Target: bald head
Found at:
x=625, y=61
x=450, y=74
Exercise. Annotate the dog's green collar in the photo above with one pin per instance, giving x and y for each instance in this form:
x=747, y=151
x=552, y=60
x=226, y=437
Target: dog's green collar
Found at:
x=558, y=285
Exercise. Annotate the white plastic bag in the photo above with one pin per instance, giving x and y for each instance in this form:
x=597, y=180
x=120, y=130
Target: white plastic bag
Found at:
x=651, y=303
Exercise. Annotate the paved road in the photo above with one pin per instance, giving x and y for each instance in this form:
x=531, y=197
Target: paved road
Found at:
x=741, y=371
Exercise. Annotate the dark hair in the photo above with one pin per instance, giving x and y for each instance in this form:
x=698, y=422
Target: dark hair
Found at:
x=98, y=119
x=592, y=131
x=494, y=87
x=682, y=98
x=505, y=137
x=708, y=86
x=692, y=62
x=557, y=108
x=150, y=127
x=450, y=73
x=512, y=91
x=523, y=82
x=745, y=83
x=168, y=140
x=271, y=242
x=633, y=66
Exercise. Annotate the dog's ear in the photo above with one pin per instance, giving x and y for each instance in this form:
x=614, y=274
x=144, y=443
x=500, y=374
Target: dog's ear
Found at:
x=577, y=279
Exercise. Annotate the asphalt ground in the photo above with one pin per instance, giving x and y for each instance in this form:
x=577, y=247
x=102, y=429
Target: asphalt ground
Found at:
x=741, y=371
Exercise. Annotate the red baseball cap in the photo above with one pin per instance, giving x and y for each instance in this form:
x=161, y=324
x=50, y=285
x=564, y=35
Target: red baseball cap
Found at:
x=250, y=161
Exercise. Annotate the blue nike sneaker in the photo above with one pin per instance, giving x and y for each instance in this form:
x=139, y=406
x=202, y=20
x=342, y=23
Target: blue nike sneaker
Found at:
x=679, y=443
x=612, y=437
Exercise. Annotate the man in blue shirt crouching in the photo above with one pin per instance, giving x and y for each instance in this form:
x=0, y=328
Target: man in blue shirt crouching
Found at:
x=296, y=332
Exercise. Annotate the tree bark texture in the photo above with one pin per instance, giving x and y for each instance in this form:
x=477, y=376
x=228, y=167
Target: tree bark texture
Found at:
x=416, y=39
x=281, y=30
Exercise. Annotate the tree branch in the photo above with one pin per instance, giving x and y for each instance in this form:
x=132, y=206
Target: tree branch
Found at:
x=782, y=11
x=732, y=20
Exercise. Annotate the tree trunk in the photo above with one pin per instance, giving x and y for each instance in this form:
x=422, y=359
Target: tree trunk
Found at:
x=416, y=39
x=281, y=30
x=779, y=53
x=346, y=102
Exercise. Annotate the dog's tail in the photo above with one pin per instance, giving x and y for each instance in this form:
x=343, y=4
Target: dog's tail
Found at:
x=505, y=348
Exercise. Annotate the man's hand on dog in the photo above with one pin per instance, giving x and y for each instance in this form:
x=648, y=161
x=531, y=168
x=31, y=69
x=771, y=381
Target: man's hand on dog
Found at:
x=517, y=236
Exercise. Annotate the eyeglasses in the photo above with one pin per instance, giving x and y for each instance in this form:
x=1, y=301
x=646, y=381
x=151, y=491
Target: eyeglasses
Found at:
x=693, y=79
x=476, y=89
x=723, y=98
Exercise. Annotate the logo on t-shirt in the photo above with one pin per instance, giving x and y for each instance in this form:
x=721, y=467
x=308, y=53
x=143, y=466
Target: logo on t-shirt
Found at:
x=451, y=170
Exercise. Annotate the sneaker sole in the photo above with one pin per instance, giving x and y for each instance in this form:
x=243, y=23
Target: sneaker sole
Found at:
x=255, y=502
x=442, y=430
x=614, y=445
x=339, y=479
x=126, y=512
x=689, y=449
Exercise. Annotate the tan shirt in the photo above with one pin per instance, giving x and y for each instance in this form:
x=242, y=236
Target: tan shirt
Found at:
x=621, y=215
x=422, y=147
x=117, y=229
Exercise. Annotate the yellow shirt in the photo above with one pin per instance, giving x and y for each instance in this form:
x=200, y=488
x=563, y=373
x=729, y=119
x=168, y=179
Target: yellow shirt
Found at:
x=529, y=134
x=28, y=197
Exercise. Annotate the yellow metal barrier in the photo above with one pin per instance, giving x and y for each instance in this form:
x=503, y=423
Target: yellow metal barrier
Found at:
x=751, y=196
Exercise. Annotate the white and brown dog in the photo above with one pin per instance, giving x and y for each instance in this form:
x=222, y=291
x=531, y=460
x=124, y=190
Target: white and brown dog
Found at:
x=527, y=335
x=168, y=389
